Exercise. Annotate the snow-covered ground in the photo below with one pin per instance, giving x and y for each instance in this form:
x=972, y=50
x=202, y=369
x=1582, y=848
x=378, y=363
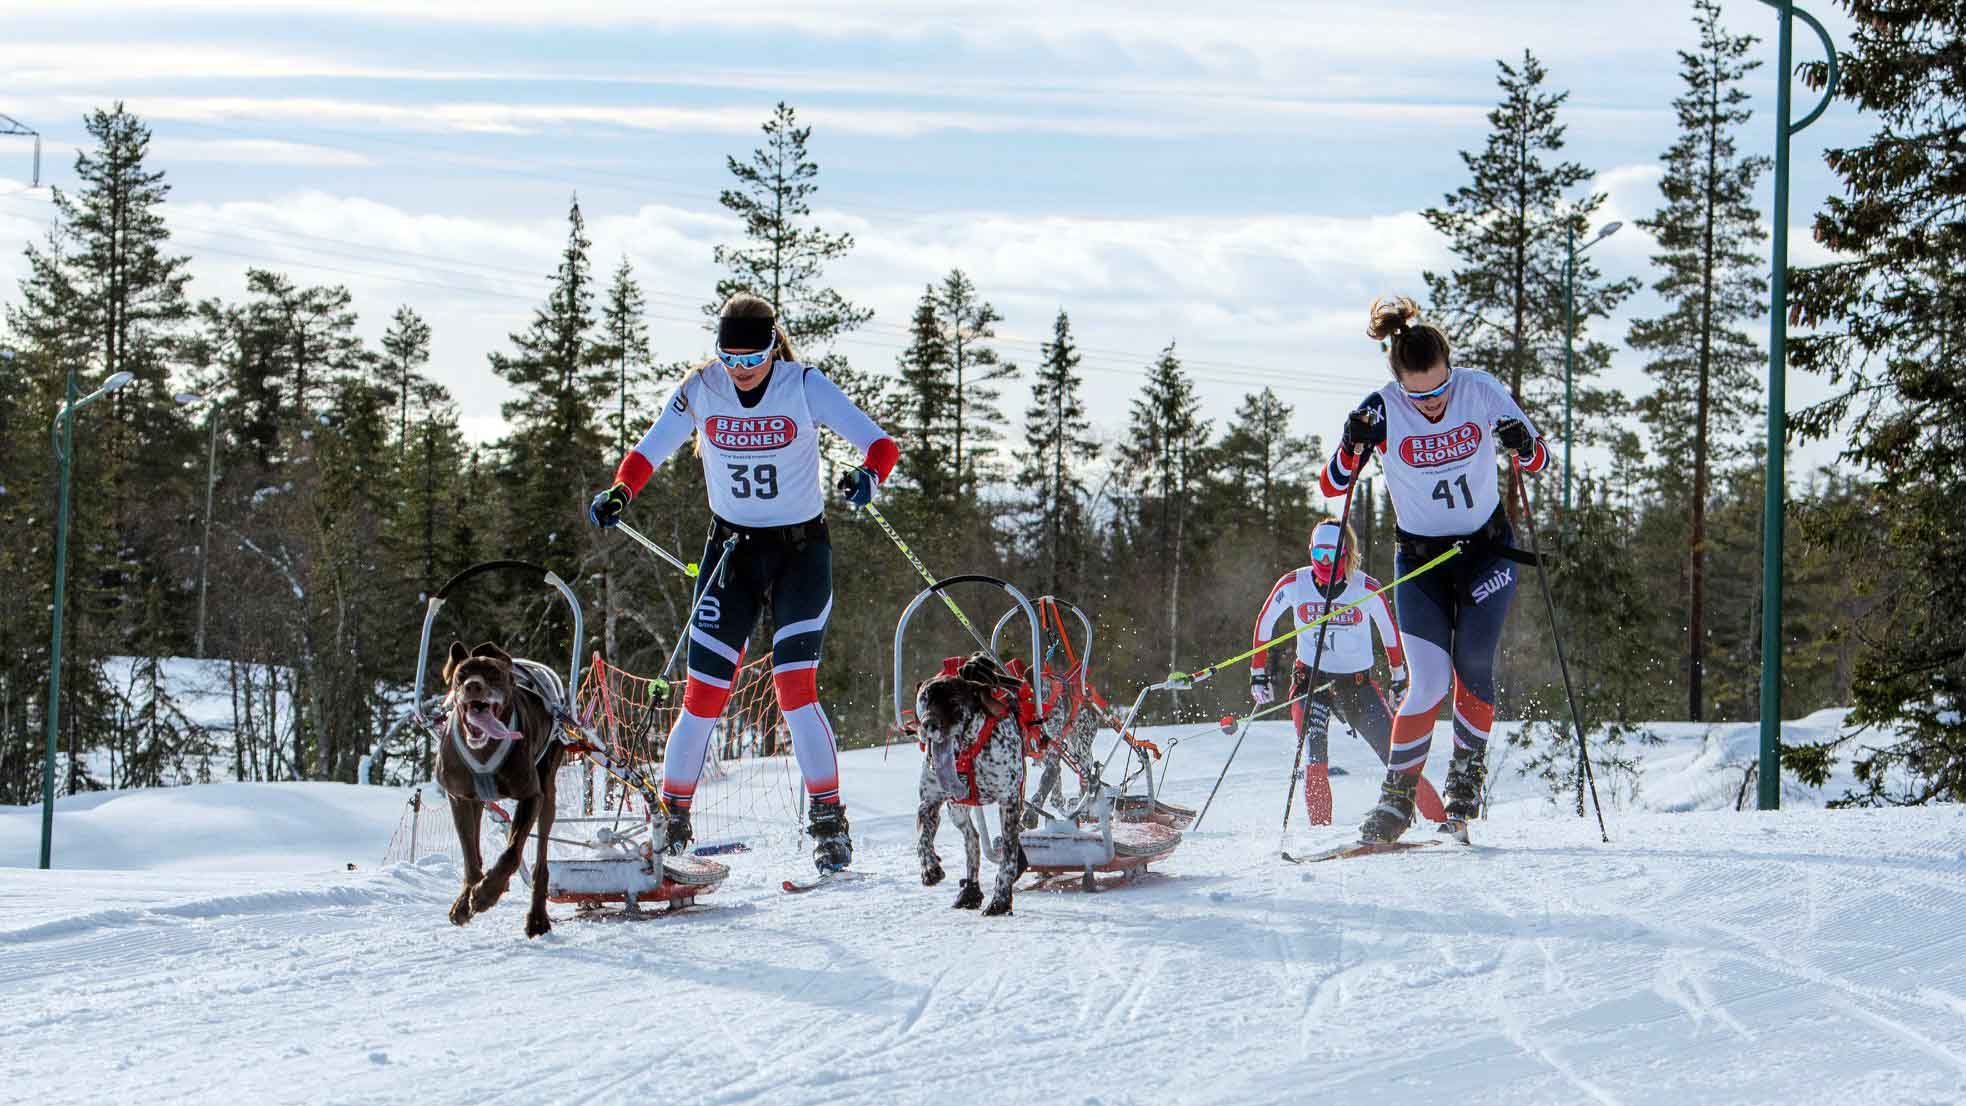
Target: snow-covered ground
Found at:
x=209, y=944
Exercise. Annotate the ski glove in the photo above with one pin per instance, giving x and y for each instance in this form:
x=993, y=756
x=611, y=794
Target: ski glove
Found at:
x=1516, y=438
x=605, y=510
x=1398, y=683
x=857, y=486
x=1259, y=688
x=1361, y=427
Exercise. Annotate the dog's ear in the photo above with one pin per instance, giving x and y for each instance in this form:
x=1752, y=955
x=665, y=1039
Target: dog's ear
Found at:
x=456, y=657
x=490, y=649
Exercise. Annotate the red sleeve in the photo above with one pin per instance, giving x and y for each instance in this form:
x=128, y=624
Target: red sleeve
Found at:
x=634, y=471
x=881, y=457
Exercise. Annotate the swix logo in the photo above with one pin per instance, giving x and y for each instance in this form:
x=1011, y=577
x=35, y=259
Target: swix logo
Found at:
x=1493, y=584
x=767, y=432
x=1444, y=448
x=1308, y=612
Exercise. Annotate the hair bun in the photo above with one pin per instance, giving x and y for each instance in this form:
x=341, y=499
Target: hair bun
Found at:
x=1395, y=316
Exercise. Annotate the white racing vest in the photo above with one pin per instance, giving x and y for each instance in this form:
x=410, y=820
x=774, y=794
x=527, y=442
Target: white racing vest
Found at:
x=1347, y=635
x=1442, y=475
x=760, y=463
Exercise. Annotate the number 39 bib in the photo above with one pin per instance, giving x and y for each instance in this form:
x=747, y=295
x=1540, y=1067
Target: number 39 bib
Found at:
x=1442, y=475
x=760, y=463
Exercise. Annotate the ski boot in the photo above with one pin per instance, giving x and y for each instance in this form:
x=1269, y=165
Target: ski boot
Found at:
x=832, y=848
x=1394, y=814
x=1464, y=777
x=677, y=834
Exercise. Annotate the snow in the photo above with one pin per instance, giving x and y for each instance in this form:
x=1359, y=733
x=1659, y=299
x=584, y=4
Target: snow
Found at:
x=209, y=944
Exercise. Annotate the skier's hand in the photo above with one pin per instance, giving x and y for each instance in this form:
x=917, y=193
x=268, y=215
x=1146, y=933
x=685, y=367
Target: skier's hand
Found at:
x=857, y=486
x=1259, y=688
x=605, y=510
x=1516, y=438
x=1361, y=428
x=1397, y=683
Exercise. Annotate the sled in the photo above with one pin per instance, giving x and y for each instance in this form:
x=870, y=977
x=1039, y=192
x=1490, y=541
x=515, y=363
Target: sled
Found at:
x=609, y=865
x=1092, y=835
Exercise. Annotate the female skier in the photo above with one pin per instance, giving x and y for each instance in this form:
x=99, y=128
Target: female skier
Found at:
x=756, y=412
x=1332, y=580
x=1437, y=430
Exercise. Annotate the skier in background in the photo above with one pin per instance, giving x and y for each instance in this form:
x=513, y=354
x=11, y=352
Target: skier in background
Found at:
x=1333, y=580
x=1439, y=432
x=756, y=413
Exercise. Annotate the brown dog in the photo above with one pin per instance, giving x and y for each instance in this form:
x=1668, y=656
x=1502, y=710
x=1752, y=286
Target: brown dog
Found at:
x=498, y=743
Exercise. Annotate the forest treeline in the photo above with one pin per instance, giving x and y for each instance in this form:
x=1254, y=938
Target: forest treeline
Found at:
x=342, y=490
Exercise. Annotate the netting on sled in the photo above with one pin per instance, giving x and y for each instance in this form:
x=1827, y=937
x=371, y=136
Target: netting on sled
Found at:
x=751, y=793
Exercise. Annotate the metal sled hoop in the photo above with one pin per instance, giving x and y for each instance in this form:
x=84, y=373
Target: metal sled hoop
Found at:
x=1085, y=654
x=923, y=596
x=436, y=604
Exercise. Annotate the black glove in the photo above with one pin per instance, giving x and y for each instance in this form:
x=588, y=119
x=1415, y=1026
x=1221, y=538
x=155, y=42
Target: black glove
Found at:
x=1516, y=438
x=1361, y=430
x=605, y=510
x=857, y=486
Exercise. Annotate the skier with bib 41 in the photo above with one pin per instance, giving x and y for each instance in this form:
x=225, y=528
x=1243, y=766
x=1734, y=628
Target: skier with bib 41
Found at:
x=756, y=413
x=1343, y=681
x=1439, y=432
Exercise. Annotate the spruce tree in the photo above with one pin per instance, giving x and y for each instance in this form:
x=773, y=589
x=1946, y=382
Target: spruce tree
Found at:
x=926, y=401
x=1165, y=456
x=1887, y=316
x=785, y=254
x=1058, y=443
x=1504, y=305
x=624, y=345
x=1266, y=474
x=1710, y=250
x=968, y=322
x=405, y=350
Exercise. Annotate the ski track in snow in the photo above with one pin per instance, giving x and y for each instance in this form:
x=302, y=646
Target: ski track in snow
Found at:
x=1701, y=957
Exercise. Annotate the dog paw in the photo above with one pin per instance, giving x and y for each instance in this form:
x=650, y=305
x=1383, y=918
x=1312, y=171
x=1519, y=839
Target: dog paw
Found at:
x=461, y=909
x=970, y=897
x=538, y=924
x=932, y=873
x=997, y=906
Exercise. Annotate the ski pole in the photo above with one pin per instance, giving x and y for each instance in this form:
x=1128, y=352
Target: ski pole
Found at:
x=703, y=590
x=1317, y=655
x=1570, y=693
x=689, y=570
x=894, y=537
x=1242, y=731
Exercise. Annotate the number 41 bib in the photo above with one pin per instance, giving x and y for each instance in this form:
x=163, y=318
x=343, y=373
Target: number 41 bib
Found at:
x=1442, y=475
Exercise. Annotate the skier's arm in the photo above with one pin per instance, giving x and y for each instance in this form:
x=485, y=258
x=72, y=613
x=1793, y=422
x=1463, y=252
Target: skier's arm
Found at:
x=1365, y=428
x=1266, y=620
x=832, y=408
x=671, y=429
x=1535, y=456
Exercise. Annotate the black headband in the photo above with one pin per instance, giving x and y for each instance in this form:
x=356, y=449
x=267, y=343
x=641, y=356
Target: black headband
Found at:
x=744, y=333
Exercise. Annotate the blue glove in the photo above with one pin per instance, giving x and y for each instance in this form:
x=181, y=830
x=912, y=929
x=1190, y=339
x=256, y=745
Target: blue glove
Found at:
x=857, y=487
x=605, y=510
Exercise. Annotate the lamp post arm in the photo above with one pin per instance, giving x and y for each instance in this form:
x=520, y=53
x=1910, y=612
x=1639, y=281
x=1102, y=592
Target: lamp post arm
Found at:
x=1829, y=88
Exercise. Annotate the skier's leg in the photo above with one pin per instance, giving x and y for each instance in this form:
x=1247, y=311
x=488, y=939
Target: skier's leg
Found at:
x=1478, y=633
x=802, y=601
x=1426, y=621
x=1317, y=758
x=1364, y=709
x=725, y=613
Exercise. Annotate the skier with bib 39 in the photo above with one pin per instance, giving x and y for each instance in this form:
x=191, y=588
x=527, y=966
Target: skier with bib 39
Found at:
x=756, y=413
x=1331, y=581
x=1439, y=432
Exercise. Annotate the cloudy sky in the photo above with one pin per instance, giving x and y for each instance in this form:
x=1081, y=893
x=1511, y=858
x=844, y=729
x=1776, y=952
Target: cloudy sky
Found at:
x=1240, y=180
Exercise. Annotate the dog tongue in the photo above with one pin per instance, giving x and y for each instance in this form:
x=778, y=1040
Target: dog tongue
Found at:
x=487, y=723
x=942, y=754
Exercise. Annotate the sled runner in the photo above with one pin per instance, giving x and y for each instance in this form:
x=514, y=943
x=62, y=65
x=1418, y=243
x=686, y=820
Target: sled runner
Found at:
x=607, y=863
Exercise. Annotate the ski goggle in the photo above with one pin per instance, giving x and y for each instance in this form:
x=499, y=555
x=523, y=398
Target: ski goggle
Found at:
x=1418, y=396
x=1325, y=555
x=743, y=360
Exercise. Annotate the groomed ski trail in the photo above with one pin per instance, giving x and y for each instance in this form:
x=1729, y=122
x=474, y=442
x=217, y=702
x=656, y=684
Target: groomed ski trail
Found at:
x=1805, y=955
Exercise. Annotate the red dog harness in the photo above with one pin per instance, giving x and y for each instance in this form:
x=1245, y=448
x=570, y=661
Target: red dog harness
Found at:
x=1030, y=723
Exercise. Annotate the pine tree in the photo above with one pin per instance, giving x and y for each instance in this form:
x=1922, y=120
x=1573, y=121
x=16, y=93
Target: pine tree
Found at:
x=1058, y=442
x=968, y=322
x=1887, y=317
x=405, y=350
x=307, y=334
x=1710, y=248
x=552, y=452
x=785, y=257
x=1266, y=474
x=1165, y=456
x=1505, y=306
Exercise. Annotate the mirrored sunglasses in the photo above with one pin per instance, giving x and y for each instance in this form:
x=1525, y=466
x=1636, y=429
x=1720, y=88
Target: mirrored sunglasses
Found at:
x=1325, y=554
x=1417, y=396
x=743, y=360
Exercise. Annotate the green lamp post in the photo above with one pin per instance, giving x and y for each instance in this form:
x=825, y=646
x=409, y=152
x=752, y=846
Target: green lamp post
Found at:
x=64, y=440
x=1768, y=790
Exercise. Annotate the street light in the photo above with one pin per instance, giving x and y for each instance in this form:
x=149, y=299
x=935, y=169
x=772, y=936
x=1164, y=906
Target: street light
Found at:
x=64, y=440
x=1571, y=252
x=188, y=399
x=1768, y=784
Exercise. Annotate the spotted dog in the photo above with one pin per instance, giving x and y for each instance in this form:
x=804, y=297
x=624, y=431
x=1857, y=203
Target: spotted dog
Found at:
x=970, y=723
x=489, y=708
x=1064, y=728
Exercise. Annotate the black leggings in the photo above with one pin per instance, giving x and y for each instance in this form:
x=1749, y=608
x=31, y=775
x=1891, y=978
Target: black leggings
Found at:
x=1357, y=700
